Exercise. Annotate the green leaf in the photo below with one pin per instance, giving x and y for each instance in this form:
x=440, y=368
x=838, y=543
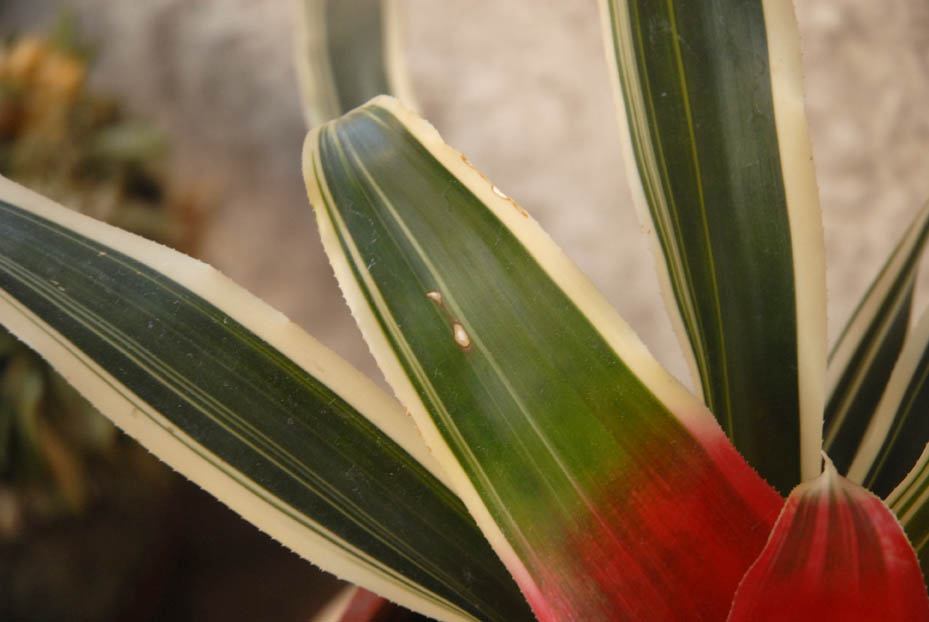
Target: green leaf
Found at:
x=863, y=357
x=347, y=51
x=602, y=483
x=899, y=429
x=836, y=553
x=711, y=113
x=240, y=400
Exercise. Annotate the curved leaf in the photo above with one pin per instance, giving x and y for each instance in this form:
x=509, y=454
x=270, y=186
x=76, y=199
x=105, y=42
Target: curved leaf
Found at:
x=836, y=553
x=711, y=115
x=237, y=398
x=347, y=51
x=865, y=353
x=899, y=429
x=601, y=482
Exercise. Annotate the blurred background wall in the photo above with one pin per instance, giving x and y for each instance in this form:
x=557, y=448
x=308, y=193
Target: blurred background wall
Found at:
x=520, y=87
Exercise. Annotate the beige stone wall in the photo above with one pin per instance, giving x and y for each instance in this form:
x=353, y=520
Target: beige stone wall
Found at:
x=520, y=87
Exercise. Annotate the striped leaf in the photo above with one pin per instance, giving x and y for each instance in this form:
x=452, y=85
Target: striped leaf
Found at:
x=241, y=401
x=910, y=502
x=888, y=447
x=715, y=138
x=899, y=429
x=836, y=553
x=347, y=51
x=602, y=483
x=863, y=357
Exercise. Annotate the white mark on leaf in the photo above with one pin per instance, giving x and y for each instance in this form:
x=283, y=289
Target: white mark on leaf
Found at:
x=459, y=334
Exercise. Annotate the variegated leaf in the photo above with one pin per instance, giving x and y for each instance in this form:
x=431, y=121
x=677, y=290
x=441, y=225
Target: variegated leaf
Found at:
x=602, y=483
x=899, y=428
x=347, y=51
x=711, y=114
x=865, y=353
x=244, y=403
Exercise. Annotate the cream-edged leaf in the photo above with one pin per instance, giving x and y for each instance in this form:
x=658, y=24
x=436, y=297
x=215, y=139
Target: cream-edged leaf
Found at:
x=865, y=353
x=711, y=114
x=244, y=403
x=346, y=52
x=601, y=481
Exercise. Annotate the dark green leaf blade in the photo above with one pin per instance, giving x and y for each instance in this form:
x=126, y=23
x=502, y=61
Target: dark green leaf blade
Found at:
x=720, y=164
x=602, y=483
x=347, y=51
x=240, y=400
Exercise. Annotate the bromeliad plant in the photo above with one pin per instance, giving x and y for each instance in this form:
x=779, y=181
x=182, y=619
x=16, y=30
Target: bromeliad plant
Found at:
x=540, y=454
